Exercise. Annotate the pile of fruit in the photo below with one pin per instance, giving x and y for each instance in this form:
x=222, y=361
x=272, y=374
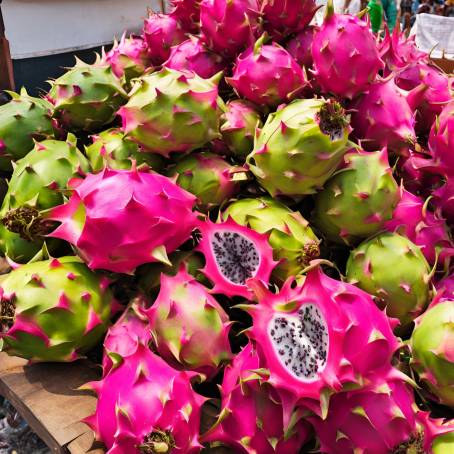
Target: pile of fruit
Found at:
x=246, y=210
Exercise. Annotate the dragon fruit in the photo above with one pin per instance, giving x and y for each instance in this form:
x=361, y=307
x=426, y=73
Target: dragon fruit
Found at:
x=284, y=17
x=184, y=320
x=358, y=200
x=374, y=420
x=192, y=55
x=382, y=118
x=35, y=185
x=229, y=26
x=112, y=149
x=293, y=241
x=413, y=219
x=187, y=13
x=345, y=55
x=300, y=46
x=233, y=254
x=441, y=140
x=251, y=419
x=53, y=310
x=120, y=219
x=445, y=288
x=300, y=147
x=145, y=406
x=172, y=111
x=86, y=97
x=432, y=349
x=129, y=58
x=124, y=337
x=393, y=269
x=23, y=120
x=238, y=125
x=444, y=200
x=209, y=177
x=267, y=74
x=161, y=32
x=314, y=339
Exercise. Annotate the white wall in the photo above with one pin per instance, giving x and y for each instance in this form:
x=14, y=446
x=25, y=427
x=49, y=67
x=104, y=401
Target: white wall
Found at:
x=42, y=27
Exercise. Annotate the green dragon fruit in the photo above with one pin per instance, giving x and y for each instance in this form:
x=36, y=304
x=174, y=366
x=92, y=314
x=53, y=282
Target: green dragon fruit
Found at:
x=432, y=345
x=87, y=97
x=293, y=241
x=393, y=269
x=172, y=111
x=209, y=177
x=300, y=147
x=36, y=184
x=53, y=310
x=358, y=199
x=22, y=120
x=112, y=149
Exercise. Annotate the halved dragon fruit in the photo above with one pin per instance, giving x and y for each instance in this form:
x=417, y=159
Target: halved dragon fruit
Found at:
x=234, y=254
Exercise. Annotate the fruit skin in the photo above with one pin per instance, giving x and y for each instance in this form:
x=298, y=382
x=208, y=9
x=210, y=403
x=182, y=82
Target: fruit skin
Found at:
x=292, y=155
x=192, y=55
x=413, y=219
x=129, y=58
x=445, y=288
x=221, y=283
x=61, y=310
x=161, y=32
x=382, y=118
x=300, y=46
x=184, y=320
x=187, y=13
x=120, y=219
x=357, y=200
x=146, y=406
x=444, y=200
x=208, y=176
x=238, y=125
x=229, y=26
x=23, y=120
x=171, y=111
x=393, y=269
x=251, y=420
x=345, y=55
x=86, y=97
x=360, y=346
x=37, y=183
x=284, y=17
x=292, y=239
x=432, y=349
x=112, y=149
x=267, y=74
x=372, y=420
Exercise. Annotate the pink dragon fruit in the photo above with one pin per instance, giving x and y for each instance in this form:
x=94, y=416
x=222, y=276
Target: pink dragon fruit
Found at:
x=300, y=46
x=234, y=254
x=441, y=140
x=145, y=406
x=444, y=200
x=251, y=419
x=445, y=288
x=267, y=75
x=412, y=219
x=283, y=17
x=346, y=59
x=129, y=58
x=120, y=219
x=161, y=32
x=187, y=12
x=228, y=26
x=382, y=118
x=192, y=55
x=185, y=319
x=314, y=339
x=372, y=420
x=429, y=91
x=123, y=338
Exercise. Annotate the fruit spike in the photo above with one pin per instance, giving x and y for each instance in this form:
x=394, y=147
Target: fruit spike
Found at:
x=234, y=254
x=120, y=219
